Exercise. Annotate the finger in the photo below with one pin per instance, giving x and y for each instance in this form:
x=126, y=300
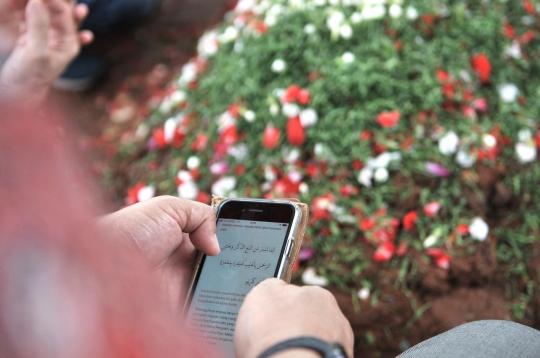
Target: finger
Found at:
x=80, y=12
x=38, y=23
x=86, y=37
x=196, y=219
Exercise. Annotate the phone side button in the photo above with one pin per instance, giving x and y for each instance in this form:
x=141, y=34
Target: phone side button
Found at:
x=288, y=248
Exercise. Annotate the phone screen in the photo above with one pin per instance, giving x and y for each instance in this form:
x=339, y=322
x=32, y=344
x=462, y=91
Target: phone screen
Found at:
x=252, y=240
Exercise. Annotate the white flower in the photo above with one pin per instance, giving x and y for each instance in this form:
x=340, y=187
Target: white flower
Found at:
x=489, y=141
x=449, y=143
x=508, y=92
x=274, y=109
x=364, y=293
x=365, y=176
x=412, y=13
x=290, y=110
x=245, y=5
x=395, y=11
x=295, y=176
x=148, y=192
x=319, y=2
x=308, y=117
x=269, y=173
x=348, y=57
x=464, y=159
x=189, y=74
x=430, y=241
x=224, y=121
x=279, y=66
x=290, y=156
x=208, y=44
x=270, y=20
x=381, y=175
x=356, y=17
x=223, y=186
x=383, y=160
x=525, y=152
x=188, y=190
x=229, y=35
x=193, y=162
x=239, y=151
x=172, y=101
x=318, y=149
x=335, y=20
x=465, y=76
x=310, y=29
x=142, y=131
x=310, y=277
x=238, y=46
x=249, y=116
x=169, y=128
x=373, y=12
x=346, y=31
x=303, y=188
x=524, y=135
x=514, y=50
x=478, y=229
x=184, y=176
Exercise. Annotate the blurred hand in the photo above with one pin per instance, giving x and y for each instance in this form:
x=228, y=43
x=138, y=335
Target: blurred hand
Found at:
x=274, y=311
x=48, y=42
x=169, y=231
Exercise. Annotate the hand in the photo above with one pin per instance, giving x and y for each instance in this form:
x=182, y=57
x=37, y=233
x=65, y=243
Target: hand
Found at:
x=274, y=311
x=49, y=41
x=168, y=230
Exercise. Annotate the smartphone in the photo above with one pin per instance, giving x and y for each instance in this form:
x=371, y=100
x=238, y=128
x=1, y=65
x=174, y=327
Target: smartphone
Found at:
x=256, y=237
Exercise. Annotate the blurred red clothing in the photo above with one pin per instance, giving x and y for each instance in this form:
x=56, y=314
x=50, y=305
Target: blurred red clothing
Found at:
x=67, y=290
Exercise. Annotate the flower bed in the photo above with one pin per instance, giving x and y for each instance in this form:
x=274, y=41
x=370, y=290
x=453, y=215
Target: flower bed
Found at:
x=410, y=127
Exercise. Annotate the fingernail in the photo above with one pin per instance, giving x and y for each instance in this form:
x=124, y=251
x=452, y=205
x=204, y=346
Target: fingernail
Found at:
x=216, y=243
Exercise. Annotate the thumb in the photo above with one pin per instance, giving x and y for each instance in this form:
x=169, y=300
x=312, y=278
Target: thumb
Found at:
x=37, y=27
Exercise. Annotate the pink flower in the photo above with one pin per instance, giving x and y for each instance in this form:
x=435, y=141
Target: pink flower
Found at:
x=271, y=137
x=437, y=170
x=432, y=208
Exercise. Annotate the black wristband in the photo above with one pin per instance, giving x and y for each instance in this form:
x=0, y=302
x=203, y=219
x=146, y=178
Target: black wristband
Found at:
x=325, y=349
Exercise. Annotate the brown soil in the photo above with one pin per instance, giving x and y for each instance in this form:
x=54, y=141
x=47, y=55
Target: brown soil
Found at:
x=144, y=59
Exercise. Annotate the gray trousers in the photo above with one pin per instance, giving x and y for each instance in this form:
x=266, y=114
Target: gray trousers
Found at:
x=481, y=339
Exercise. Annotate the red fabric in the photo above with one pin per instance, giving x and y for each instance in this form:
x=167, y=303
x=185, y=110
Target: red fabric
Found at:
x=98, y=294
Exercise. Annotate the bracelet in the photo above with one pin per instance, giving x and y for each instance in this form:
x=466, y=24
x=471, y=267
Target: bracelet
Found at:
x=325, y=349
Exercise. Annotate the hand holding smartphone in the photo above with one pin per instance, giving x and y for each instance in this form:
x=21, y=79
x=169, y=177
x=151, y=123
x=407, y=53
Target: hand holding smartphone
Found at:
x=256, y=238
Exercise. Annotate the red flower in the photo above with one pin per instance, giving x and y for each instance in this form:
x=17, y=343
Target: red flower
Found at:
x=132, y=193
x=229, y=136
x=388, y=119
x=463, y=229
x=202, y=197
x=200, y=143
x=159, y=136
x=348, y=190
x=428, y=19
x=234, y=110
x=442, y=259
x=367, y=224
x=432, y=208
x=384, y=252
x=295, y=132
x=529, y=7
x=178, y=138
x=537, y=140
x=443, y=76
x=409, y=220
x=402, y=248
x=527, y=37
x=303, y=97
x=271, y=137
x=509, y=30
x=480, y=63
x=291, y=94
x=366, y=135
x=357, y=164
